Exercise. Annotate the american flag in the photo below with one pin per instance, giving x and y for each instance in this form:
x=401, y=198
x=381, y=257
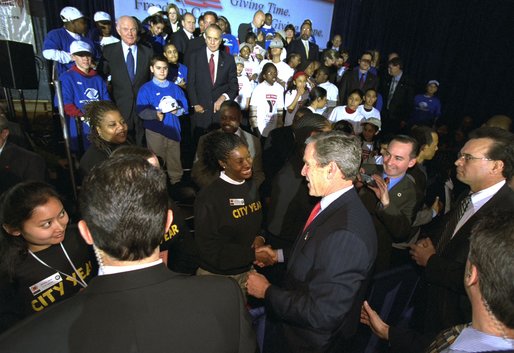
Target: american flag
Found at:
x=216, y=4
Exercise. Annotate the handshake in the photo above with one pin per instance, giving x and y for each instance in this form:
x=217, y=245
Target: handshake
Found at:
x=264, y=254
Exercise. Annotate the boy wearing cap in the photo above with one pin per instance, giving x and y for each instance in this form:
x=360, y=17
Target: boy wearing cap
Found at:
x=284, y=71
x=57, y=43
x=102, y=34
x=80, y=85
x=159, y=103
x=427, y=107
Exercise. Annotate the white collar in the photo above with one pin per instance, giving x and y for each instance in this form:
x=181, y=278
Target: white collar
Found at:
x=229, y=180
x=327, y=200
x=109, y=270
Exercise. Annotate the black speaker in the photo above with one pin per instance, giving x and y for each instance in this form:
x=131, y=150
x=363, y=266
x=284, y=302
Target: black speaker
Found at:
x=17, y=65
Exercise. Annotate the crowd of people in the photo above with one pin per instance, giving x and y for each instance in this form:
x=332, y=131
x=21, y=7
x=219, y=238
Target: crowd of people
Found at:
x=311, y=177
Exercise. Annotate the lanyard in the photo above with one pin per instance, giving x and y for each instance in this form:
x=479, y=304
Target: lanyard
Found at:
x=79, y=279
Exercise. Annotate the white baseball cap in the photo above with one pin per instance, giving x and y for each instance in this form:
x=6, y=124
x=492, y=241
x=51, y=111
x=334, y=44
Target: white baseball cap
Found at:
x=168, y=104
x=152, y=10
x=79, y=46
x=101, y=16
x=70, y=13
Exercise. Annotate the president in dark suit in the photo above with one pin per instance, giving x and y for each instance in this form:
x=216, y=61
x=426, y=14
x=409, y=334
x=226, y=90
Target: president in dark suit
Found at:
x=128, y=64
x=360, y=78
x=300, y=45
x=484, y=163
x=136, y=304
x=212, y=79
x=319, y=305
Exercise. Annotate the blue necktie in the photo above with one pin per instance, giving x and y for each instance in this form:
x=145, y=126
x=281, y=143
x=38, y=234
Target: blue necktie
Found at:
x=130, y=65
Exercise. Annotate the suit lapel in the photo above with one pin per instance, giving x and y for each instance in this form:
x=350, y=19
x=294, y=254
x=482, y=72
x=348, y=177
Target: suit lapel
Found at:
x=309, y=233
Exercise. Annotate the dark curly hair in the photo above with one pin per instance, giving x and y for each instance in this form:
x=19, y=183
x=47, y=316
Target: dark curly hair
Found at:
x=94, y=113
x=217, y=147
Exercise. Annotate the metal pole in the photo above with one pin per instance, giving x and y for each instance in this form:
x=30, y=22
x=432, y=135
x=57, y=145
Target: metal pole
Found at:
x=62, y=119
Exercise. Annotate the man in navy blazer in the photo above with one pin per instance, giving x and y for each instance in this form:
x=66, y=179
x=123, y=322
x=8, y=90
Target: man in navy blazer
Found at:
x=208, y=90
x=114, y=63
x=136, y=304
x=319, y=304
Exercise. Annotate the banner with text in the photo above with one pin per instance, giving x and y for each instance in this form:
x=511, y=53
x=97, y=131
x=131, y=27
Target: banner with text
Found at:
x=241, y=11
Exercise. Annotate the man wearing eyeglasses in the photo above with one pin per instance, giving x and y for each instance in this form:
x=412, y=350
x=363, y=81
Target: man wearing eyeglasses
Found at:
x=485, y=163
x=360, y=77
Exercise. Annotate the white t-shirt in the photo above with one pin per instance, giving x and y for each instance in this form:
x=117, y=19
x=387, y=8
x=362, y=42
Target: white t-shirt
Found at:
x=284, y=71
x=268, y=100
x=374, y=113
x=245, y=91
x=251, y=68
x=340, y=113
x=288, y=99
x=332, y=90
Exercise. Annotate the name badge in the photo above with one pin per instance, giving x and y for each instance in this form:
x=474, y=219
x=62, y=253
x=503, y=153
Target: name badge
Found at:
x=236, y=202
x=46, y=283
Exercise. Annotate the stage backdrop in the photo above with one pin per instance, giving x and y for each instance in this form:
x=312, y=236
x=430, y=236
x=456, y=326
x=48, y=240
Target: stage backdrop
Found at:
x=241, y=11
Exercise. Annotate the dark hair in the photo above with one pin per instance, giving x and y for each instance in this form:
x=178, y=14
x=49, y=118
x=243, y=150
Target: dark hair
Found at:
x=217, y=147
x=290, y=27
x=491, y=250
x=422, y=134
x=229, y=104
x=266, y=68
x=94, y=113
x=344, y=126
x=324, y=69
x=396, y=62
x=291, y=56
x=133, y=150
x=371, y=89
x=502, y=148
x=228, y=29
x=124, y=202
x=303, y=128
x=159, y=57
x=291, y=85
x=250, y=35
x=156, y=19
x=358, y=91
x=300, y=113
x=410, y=140
x=315, y=93
x=211, y=13
x=16, y=207
x=368, y=53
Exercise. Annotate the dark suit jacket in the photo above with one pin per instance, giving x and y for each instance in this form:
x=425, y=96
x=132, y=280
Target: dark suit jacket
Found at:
x=18, y=164
x=448, y=304
x=401, y=105
x=350, y=81
x=201, y=90
x=393, y=223
x=243, y=30
x=181, y=42
x=296, y=46
x=148, y=310
x=124, y=93
x=321, y=299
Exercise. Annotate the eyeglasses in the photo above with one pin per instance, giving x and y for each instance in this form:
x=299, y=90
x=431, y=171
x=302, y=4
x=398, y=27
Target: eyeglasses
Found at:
x=468, y=157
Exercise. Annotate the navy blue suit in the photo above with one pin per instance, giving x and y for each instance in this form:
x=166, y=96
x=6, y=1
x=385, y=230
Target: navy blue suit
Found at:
x=326, y=277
